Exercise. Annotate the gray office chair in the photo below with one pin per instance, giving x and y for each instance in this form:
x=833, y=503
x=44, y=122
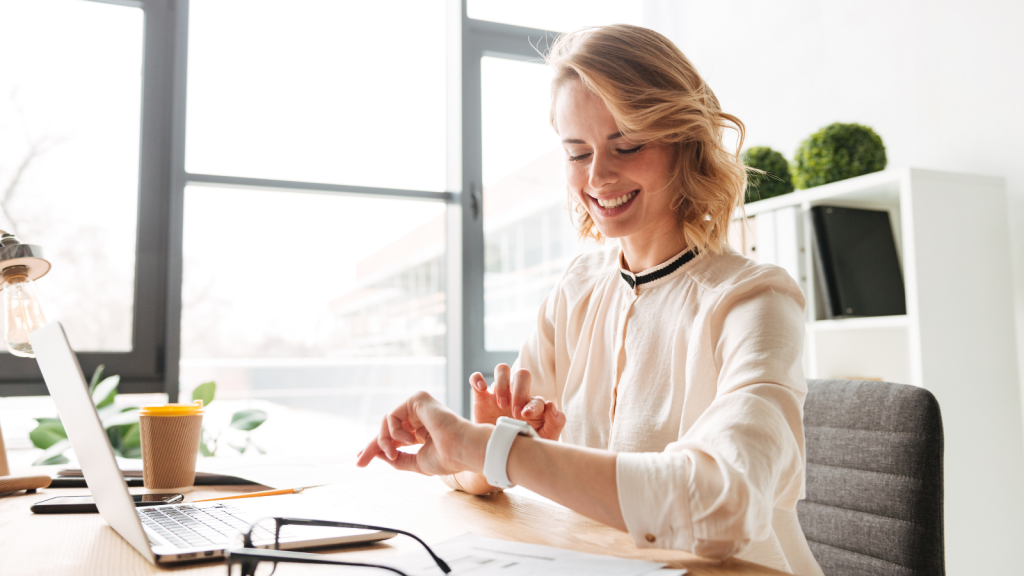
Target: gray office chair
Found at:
x=874, y=479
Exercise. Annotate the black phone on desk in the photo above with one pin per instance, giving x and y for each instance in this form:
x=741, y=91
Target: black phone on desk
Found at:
x=85, y=504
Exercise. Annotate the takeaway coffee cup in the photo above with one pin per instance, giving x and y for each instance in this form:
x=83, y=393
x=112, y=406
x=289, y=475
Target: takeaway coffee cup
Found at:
x=170, y=445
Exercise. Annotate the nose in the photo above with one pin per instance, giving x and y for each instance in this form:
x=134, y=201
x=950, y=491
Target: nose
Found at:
x=602, y=172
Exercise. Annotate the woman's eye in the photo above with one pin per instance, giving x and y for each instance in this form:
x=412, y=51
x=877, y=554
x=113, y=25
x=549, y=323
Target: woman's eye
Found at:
x=630, y=150
x=578, y=158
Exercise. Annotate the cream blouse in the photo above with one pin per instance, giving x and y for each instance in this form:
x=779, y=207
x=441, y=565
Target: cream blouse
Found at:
x=691, y=371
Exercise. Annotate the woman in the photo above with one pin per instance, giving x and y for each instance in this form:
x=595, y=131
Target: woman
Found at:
x=668, y=366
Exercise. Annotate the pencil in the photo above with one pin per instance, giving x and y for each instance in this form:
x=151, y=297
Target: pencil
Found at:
x=258, y=494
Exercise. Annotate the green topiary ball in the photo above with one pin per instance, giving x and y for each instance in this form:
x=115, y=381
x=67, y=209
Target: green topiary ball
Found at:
x=837, y=152
x=777, y=180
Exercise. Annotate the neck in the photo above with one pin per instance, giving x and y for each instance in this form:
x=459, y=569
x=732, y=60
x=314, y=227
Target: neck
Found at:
x=644, y=251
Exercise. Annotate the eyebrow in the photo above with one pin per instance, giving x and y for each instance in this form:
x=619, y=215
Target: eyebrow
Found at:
x=578, y=141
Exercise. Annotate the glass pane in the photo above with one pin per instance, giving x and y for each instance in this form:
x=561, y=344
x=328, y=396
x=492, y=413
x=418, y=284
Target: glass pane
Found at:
x=70, y=103
x=318, y=91
x=529, y=238
x=323, y=303
x=557, y=15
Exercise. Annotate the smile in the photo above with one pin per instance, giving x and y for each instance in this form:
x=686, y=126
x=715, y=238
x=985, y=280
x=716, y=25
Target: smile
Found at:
x=614, y=206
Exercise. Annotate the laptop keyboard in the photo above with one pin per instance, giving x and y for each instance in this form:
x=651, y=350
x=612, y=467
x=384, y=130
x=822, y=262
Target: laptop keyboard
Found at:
x=186, y=526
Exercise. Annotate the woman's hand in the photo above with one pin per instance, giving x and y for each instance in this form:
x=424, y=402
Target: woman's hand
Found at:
x=450, y=443
x=511, y=398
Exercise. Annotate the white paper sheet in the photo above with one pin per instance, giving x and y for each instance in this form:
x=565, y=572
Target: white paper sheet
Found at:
x=473, y=555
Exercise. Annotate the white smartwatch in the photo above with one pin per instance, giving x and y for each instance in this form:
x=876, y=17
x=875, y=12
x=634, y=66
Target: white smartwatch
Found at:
x=498, y=447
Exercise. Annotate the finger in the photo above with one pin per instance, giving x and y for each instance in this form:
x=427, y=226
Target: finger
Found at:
x=398, y=432
x=554, y=421
x=405, y=462
x=478, y=383
x=501, y=386
x=367, y=454
x=520, y=392
x=484, y=403
x=384, y=440
x=534, y=412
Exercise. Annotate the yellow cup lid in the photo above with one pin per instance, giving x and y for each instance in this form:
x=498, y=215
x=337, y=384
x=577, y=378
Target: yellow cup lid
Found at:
x=173, y=409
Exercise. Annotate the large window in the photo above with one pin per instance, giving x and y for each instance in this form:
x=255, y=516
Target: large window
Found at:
x=79, y=152
x=528, y=231
x=317, y=203
x=316, y=279
x=325, y=302
x=318, y=91
x=512, y=155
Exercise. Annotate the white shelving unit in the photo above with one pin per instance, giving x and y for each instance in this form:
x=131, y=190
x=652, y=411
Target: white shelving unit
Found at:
x=957, y=338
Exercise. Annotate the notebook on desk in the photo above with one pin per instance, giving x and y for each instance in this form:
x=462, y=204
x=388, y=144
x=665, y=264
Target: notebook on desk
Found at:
x=162, y=534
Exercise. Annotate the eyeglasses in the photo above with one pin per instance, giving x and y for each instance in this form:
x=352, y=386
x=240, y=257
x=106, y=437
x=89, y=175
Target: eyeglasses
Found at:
x=248, y=557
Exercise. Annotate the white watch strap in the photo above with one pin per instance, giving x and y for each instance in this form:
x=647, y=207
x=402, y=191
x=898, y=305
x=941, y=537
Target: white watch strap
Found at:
x=498, y=447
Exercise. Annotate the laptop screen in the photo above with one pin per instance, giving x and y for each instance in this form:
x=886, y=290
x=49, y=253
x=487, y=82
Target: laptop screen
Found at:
x=70, y=392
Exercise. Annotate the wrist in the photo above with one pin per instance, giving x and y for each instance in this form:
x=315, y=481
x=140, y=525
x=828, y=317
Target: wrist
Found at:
x=474, y=447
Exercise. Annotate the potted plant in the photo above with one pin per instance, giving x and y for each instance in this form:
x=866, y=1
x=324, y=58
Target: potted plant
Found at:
x=837, y=152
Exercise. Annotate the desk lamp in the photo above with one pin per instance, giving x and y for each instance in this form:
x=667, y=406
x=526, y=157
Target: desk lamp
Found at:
x=20, y=264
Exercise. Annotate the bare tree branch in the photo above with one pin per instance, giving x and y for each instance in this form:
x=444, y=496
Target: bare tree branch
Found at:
x=37, y=147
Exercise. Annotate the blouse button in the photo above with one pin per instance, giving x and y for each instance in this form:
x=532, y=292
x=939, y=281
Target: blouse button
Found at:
x=650, y=538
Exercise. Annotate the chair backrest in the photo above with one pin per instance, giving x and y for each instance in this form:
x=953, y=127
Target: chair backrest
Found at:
x=874, y=479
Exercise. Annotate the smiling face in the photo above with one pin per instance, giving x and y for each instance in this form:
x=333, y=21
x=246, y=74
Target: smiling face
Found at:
x=623, y=186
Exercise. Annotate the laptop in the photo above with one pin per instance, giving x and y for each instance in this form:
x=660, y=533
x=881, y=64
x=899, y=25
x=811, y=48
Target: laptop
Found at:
x=169, y=533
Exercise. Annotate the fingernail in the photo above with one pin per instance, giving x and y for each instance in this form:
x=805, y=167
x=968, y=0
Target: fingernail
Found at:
x=528, y=409
x=501, y=402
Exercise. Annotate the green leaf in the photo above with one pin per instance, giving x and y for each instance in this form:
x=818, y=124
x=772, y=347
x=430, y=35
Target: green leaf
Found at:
x=49, y=432
x=131, y=442
x=205, y=392
x=54, y=454
x=116, y=439
x=95, y=378
x=240, y=447
x=248, y=419
x=49, y=421
x=205, y=450
x=105, y=391
x=131, y=437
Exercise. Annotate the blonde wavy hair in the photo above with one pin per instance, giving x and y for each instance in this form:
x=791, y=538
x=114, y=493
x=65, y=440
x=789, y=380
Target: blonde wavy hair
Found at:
x=657, y=97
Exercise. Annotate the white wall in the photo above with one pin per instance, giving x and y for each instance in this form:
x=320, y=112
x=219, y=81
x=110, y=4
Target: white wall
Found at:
x=941, y=81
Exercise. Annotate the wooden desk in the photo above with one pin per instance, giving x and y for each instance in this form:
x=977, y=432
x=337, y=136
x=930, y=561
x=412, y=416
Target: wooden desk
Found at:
x=83, y=544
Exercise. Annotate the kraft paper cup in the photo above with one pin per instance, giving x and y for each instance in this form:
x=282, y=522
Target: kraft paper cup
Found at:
x=170, y=445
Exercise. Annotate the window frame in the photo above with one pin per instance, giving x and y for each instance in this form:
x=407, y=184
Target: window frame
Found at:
x=147, y=367
x=482, y=38
x=152, y=366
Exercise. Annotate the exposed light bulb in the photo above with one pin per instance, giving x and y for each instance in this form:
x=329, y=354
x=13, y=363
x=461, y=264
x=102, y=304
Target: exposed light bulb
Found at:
x=22, y=312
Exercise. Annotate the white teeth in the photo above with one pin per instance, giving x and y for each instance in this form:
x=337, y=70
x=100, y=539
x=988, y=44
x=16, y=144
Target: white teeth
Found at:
x=616, y=201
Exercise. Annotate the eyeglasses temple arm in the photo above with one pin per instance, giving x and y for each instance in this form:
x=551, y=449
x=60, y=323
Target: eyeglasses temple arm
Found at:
x=296, y=558
x=331, y=524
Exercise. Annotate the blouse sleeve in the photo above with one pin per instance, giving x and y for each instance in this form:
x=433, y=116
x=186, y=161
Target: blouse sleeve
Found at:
x=712, y=492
